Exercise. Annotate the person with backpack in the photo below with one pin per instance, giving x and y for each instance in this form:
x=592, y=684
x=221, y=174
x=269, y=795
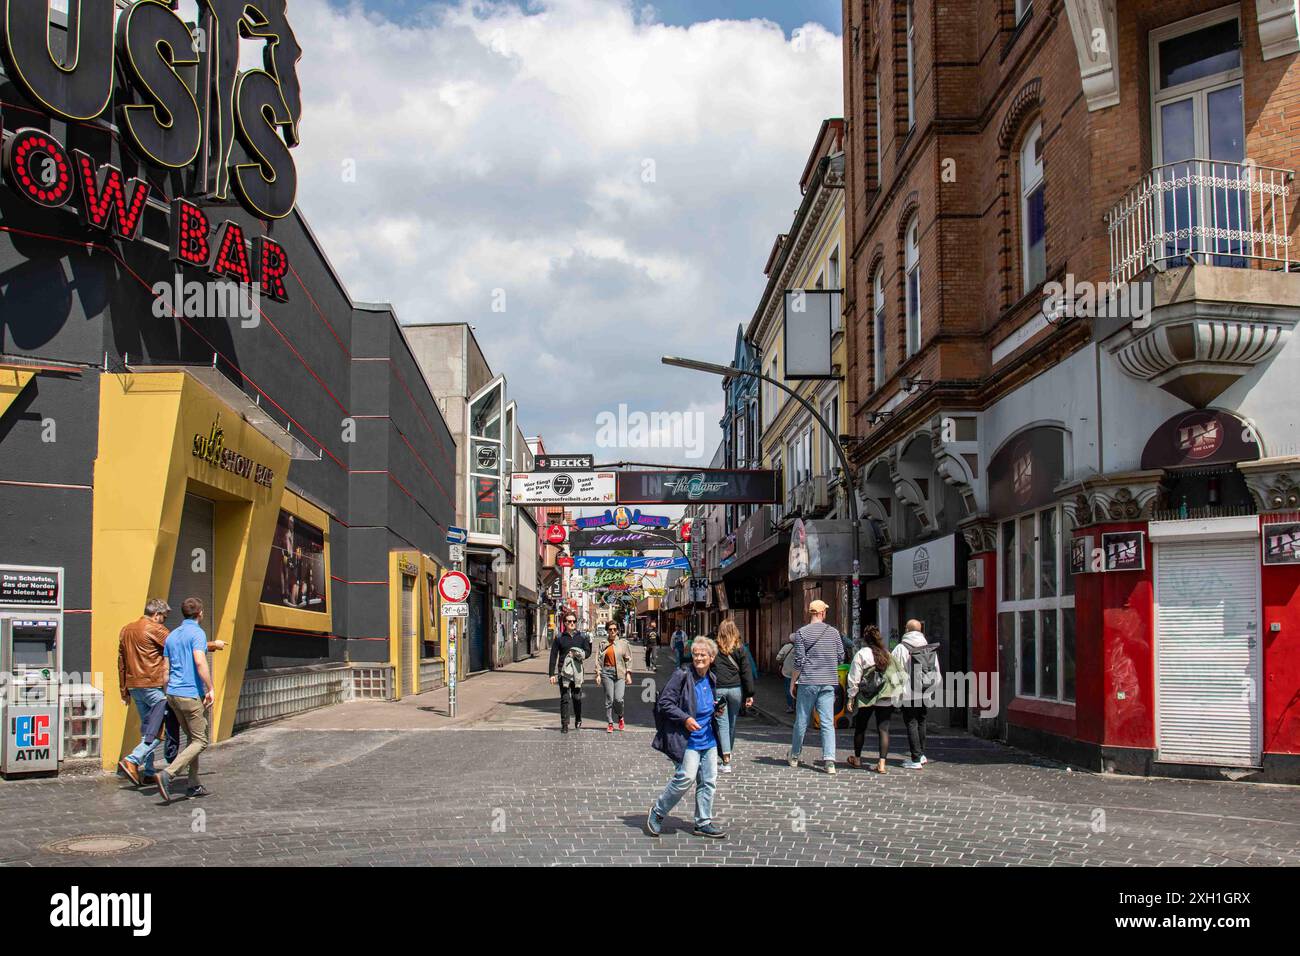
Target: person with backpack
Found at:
x=919, y=660
x=686, y=712
x=569, y=650
x=817, y=654
x=651, y=642
x=874, y=680
x=734, y=677
x=785, y=660
x=614, y=663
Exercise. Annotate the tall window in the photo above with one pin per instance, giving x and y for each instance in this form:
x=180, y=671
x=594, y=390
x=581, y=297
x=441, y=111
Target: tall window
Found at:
x=1033, y=229
x=830, y=412
x=741, y=453
x=1199, y=131
x=878, y=334
x=1022, y=8
x=880, y=137
x=487, y=450
x=1036, y=603
x=911, y=66
x=833, y=269
x=912, y=262
x=772, y=405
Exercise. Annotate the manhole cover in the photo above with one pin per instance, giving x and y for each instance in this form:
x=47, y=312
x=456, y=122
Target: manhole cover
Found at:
x=99, y=844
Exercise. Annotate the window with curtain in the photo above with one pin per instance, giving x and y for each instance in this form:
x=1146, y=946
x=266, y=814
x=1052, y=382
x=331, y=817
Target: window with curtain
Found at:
x=878, y=334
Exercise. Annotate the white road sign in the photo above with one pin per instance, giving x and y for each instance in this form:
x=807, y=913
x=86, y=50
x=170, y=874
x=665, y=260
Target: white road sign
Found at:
x=455, y=610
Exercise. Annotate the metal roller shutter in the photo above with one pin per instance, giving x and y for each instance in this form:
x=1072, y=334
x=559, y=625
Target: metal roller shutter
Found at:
x=409, y=678
x=1207, y=652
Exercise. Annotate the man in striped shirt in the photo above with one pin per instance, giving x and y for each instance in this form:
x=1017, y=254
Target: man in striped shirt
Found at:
x=817, y=653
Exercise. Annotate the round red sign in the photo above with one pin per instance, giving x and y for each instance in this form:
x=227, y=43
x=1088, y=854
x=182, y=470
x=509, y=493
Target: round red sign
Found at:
x=556, y=534
x=453, y=586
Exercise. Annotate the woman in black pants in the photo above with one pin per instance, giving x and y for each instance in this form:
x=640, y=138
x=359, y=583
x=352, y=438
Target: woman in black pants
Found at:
x=874, y=681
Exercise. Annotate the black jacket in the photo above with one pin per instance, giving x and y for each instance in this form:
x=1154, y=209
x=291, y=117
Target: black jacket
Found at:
x=563, y=643
x=735, y=670
x=675, y=703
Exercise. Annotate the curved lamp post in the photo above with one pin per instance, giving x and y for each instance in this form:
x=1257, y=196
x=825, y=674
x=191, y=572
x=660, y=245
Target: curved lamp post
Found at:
x=726, y=371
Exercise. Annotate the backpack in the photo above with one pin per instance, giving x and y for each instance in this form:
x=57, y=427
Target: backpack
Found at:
x=923, y=669
x=571, y=667
x=873, y=682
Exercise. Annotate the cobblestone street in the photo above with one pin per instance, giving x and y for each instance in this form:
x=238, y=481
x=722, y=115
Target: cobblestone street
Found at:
x=508, y=788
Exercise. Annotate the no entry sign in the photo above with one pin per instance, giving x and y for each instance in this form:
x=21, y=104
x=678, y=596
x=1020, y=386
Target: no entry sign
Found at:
x=453, y=586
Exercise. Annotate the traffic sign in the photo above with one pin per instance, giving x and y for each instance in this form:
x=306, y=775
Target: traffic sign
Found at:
x=457, y=535
x=457, y=553
x=453, y=586
x=455, y=610
x=556, y=534
x=564, y=561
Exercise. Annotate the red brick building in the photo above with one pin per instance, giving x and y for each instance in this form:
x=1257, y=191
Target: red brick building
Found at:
x=1070, y=300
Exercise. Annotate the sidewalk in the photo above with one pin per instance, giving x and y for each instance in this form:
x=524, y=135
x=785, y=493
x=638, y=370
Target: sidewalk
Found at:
x=475, y=698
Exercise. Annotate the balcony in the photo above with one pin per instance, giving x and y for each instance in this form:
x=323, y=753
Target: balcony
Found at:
x=1210, y=245
x=1216, y=213
x=808, y=499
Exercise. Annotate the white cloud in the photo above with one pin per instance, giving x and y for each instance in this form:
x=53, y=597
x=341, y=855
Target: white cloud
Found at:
x=621, y=180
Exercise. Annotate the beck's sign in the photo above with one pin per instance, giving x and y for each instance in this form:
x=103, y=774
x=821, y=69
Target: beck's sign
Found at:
x=179, y=102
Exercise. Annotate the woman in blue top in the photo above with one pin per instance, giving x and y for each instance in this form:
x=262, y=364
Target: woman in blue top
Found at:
x=684, y=721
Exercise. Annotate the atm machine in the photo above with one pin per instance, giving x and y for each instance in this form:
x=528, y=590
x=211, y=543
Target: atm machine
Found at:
x=31, y=668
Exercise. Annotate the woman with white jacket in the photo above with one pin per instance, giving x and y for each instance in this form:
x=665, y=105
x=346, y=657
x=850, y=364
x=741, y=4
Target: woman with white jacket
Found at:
x=919, y=660
x=873, y=682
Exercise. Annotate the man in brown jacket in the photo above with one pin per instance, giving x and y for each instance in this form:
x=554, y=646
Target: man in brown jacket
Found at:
x=141, y=677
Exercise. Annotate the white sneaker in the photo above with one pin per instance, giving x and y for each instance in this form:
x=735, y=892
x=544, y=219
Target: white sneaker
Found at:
x=725, y=768
x=828, y=766
x=792, y=760
x=912, y=765
x=923, y=760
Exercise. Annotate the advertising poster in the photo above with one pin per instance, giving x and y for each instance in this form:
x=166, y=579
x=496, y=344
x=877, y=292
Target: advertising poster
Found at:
x=295, y=576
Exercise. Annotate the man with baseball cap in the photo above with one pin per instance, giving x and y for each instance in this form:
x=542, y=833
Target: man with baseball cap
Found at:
x=817, y=653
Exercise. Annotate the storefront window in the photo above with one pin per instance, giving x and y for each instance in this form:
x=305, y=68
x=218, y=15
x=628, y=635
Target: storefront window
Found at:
x=1036, y=610
x=1047, y=553
x=1008, y=555
x=1025, y=549
x=1028, y=658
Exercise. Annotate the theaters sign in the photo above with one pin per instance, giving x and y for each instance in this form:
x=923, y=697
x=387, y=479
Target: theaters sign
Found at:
x=175, y=92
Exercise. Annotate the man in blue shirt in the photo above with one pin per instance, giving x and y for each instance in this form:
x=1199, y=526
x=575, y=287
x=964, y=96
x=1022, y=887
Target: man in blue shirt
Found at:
x=684, y=716
x=189, y=694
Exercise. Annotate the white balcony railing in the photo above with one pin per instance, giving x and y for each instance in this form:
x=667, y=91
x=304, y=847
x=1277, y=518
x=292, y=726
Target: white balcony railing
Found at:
x=1218, y=213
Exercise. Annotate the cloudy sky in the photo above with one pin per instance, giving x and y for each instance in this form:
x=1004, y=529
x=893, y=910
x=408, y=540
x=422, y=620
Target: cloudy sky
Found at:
x=590, y=183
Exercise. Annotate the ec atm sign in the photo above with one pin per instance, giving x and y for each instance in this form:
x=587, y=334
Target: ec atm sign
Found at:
x=29, y=740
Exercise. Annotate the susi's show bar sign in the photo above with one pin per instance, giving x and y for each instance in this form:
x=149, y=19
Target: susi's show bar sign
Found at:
x=168, y=118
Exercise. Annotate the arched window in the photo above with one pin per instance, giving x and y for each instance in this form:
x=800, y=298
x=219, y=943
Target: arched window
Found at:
x=912, y=265
x=878, y=334
x=1033, y=229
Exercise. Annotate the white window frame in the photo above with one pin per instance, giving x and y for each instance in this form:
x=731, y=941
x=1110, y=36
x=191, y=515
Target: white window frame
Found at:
x=1022, y=9
x=1198, y=89
x=911, y=66
x=1058, y=604
x=471, y=503
x=912, y=264
x=878, y=328
x=831, y=412
x=1031, y=180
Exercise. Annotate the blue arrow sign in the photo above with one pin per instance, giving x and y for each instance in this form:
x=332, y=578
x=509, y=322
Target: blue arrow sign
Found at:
x=457, y=535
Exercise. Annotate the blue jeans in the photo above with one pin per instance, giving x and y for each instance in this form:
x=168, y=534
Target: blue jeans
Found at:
x=145, y=698
x=695, y=763
x=822, y=696
x=727, y=722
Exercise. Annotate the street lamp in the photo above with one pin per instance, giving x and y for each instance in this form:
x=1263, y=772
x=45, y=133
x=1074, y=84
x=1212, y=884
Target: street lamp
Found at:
x=728, y=371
